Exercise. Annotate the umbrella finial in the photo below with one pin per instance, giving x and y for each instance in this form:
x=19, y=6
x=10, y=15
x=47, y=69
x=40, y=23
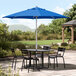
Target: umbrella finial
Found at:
x=36, y=6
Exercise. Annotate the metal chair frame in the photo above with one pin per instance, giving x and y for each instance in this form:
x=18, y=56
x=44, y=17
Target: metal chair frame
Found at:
x=55, y=57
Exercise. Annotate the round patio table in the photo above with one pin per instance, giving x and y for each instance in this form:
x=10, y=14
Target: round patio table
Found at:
x=37, y=50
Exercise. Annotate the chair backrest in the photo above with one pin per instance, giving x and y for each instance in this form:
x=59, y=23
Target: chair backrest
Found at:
x=13, y=51
x=24, y=53
x=61, y=51
x=46, y=47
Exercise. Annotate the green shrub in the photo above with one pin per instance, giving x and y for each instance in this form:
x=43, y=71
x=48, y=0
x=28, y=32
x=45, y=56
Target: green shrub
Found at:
x=3, y=53
x=67, y=47
x=2, y=73
x=18, y=52
x=64, y=44
x=54, y=46
x=53, y=36
x=33, y=47
x=9, y=53
x=18, y=45
x=8, y=72
x=73, y=46
x=5, y=45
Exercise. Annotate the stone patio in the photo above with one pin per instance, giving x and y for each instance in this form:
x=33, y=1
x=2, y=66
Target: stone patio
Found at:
x=70, y=70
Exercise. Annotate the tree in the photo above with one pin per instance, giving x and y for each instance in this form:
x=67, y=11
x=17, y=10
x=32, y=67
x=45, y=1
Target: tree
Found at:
x=16, y=35
x=71, y=13
x=43, y=29
x=56, y=26
x=3, y=32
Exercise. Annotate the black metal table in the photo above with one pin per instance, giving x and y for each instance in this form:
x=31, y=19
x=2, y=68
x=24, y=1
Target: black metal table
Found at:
x=37, y=50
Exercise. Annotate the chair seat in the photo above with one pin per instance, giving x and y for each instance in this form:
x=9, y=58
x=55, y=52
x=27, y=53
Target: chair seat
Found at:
x=35, y=58
x=28, y=58
x=32, y=58
x=52, y=56
x=59, y=55
x=18, y=57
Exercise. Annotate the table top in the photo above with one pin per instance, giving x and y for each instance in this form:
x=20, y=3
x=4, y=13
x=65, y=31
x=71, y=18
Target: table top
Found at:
x=39, y=50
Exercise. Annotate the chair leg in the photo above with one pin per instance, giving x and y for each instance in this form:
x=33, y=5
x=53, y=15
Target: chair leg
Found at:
x=33, y=65
x=48, y=62
x=26, y=62
x=15, y=64
x=12, y=62
x=25, y=66
x=22, y=64
x=64, y=62
x=28, y=68
x=56, y=62
x=36, y=63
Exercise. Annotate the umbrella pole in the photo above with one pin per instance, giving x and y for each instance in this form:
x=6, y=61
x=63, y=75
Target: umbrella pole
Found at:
x=36, y=32
x=36, y=41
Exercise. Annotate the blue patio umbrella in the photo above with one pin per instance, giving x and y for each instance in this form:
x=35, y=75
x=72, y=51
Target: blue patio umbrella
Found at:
x=35, y=13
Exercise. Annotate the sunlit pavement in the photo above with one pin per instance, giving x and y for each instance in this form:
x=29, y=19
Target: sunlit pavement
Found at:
x=70, y=70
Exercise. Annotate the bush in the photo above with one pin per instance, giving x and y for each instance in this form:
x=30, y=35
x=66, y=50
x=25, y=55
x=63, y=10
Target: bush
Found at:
x=53, y=36
x=64, y=44
x=5, y=45
x=3, y=53
x=73, y=46
x=33, y=47
x=18, y=45
x=8, y=72
x=54, y=46
x=9, y=53
x=18, y=52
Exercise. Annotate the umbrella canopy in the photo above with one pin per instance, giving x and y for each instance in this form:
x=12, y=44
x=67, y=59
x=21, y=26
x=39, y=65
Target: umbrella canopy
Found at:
x=35, y=13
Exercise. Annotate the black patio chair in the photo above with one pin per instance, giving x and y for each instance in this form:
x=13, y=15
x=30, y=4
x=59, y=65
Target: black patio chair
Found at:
x=14, y=61
x=14, y=56
x=52, y=56
x=28, y=58
x=60, y=53
x=47, y=48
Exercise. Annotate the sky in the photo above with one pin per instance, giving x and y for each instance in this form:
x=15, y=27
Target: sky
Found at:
x=12, y=6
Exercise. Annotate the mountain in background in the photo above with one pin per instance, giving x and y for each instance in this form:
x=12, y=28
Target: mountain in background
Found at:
x=19, y=27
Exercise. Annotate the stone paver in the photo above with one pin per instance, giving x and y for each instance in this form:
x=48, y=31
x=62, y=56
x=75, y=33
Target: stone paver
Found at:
x=70, y=70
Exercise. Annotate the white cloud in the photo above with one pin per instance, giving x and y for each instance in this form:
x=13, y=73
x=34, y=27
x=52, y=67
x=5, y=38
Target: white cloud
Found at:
x=70, y=6
x=62, y=10
x=59, y=10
